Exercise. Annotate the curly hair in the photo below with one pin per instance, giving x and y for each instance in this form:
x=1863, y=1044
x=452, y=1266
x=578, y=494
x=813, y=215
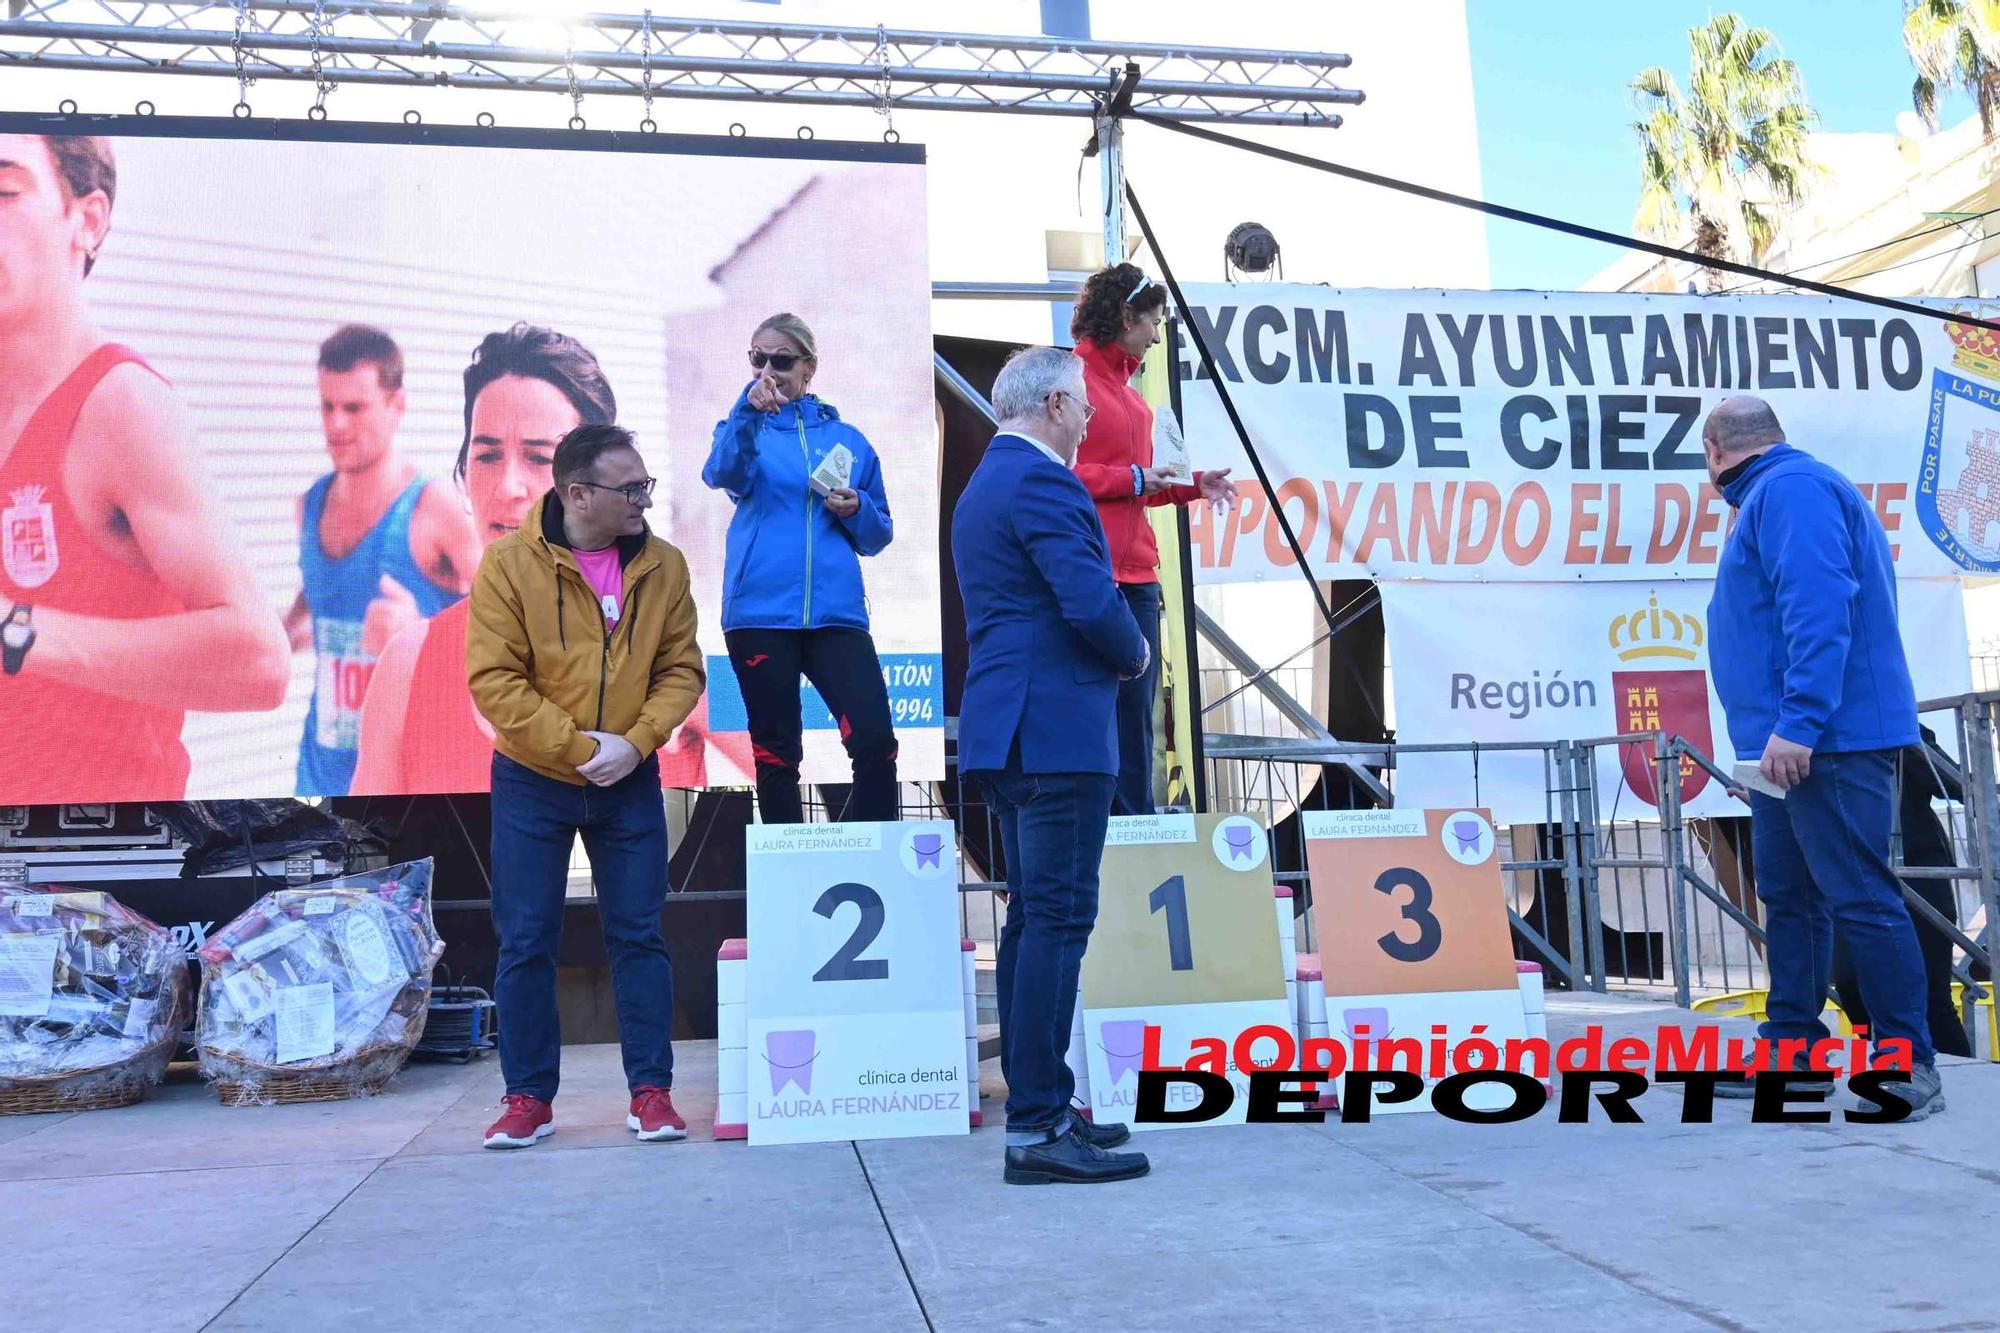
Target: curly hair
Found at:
x=1106, y=296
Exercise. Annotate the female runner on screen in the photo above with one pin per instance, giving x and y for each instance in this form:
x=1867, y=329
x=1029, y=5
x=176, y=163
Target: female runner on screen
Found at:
x=420, y=733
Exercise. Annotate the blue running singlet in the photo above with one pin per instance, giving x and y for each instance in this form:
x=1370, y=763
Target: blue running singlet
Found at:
x=338, y=593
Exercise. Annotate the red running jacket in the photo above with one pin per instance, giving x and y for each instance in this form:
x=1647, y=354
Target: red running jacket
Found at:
x=1120, y=437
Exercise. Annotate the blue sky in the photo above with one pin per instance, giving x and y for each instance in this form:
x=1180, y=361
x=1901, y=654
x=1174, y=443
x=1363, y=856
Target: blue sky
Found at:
x=1550, y=82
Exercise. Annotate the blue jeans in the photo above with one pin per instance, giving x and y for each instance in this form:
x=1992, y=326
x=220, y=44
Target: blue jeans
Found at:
x=624, y=826
x=1135, y=707
x=1822, y=858
x=1052, y=831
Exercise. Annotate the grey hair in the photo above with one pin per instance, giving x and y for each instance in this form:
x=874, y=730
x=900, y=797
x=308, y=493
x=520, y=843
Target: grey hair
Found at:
x=1030, y=376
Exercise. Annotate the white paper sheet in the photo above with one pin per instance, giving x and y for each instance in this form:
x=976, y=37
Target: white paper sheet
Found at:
x=305, y=1022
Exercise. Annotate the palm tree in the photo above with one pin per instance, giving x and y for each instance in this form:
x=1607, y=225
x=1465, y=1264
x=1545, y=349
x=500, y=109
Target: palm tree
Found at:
x=1728, y=149
x=1954, y=44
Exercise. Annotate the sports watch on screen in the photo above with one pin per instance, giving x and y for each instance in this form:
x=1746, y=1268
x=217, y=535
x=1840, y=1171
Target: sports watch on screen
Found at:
x=17, y=635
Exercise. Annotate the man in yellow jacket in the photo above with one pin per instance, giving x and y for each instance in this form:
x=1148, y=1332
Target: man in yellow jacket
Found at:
x=582, y=657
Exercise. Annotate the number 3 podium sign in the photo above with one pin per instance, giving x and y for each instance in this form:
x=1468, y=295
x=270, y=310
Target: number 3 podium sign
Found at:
x=1412, y=927
x=1185, y=942
x=856, y=1005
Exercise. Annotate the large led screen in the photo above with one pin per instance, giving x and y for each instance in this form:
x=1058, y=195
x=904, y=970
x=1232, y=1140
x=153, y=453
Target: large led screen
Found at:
x=241, y=498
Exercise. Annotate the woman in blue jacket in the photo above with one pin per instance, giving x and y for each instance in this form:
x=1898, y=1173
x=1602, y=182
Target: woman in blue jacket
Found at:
x=792, y=597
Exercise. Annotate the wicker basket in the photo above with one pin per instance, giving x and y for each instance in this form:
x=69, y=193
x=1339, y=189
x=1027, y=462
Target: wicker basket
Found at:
x=162, y=982
x=361, y=1075
x=101, y=1088
x=241, y=1082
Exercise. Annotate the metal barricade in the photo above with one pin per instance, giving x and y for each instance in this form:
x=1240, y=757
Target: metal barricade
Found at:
x=1709, y=933
x=1604, y=894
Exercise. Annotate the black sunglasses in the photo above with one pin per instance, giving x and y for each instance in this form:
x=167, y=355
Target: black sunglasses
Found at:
x=778, y=361
x=635, y=492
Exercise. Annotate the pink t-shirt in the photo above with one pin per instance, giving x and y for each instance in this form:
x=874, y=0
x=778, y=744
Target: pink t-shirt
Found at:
x=606, y=577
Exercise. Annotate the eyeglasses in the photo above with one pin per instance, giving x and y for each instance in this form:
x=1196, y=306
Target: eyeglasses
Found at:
x=1088, y=410
x=778, y=361
x=635, y=492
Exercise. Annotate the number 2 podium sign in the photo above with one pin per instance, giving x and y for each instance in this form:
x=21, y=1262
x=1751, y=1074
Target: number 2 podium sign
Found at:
x=1184, y=942
x=855, y=995
x=1412, y=927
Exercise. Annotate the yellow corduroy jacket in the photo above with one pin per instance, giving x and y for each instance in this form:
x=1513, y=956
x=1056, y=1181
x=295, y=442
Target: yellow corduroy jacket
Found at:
x=542, y=669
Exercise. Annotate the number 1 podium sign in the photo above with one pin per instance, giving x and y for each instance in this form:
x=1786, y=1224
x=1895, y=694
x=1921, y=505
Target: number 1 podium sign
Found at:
x=855, y=1004
x=1411, y=921
x=1184, y=942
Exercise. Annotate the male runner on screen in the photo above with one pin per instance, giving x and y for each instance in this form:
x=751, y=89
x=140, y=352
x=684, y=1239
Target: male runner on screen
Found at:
x=380, y=548
x=123, y=599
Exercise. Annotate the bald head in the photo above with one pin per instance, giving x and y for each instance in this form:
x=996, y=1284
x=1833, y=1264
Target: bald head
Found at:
x=1743, y=424
x=1738, y=427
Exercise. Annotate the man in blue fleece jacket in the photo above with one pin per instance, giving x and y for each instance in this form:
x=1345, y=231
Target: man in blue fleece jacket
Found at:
x=1809, y=666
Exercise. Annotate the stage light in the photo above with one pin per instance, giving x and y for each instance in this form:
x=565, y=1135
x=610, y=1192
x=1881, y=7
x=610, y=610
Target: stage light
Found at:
x=1251, y=248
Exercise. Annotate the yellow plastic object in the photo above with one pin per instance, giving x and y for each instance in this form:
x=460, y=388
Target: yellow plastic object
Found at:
x=1751, y=1004
x=1985, y=1013
x=1734, y=1004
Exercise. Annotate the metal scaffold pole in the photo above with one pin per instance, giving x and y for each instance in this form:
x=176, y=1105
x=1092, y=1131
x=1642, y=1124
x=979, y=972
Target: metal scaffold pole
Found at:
x=386, y=43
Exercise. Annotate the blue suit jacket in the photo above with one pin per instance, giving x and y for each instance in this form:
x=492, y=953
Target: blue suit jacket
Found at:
x=1049, y=631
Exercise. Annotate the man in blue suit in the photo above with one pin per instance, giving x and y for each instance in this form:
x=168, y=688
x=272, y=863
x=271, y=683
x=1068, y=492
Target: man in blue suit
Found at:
x=1050, y=638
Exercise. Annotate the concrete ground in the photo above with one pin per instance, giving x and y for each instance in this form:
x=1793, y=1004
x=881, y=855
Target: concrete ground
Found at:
x=385, y=1214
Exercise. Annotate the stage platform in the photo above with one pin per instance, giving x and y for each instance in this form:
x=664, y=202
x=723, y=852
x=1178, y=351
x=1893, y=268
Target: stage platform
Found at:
x=385, y=1214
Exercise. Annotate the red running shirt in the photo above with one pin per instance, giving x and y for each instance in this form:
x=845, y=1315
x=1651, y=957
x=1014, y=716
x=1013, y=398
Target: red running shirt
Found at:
x=60, y=741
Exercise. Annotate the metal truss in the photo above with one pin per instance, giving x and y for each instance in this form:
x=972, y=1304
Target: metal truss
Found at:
x=385, y=43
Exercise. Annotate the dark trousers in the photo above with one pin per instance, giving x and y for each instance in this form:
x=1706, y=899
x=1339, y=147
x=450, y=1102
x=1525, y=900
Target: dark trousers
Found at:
x=841, y=664
x=1924, y=844
x=1135, y=708
x=1822, y=859
x=536, y=821
x=1052, y=832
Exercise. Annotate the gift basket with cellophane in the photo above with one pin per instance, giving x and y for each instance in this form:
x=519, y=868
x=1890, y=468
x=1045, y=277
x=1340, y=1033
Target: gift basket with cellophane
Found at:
x=94, y=1000
x=319, y=993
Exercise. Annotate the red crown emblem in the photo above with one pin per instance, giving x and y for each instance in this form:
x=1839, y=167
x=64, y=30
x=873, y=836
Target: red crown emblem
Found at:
x=1978, y=348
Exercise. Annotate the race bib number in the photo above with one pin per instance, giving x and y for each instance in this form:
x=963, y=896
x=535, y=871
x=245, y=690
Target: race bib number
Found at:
x=341, y=684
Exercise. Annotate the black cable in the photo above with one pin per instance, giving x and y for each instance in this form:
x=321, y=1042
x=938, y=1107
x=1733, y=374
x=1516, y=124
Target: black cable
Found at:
x=1870, y=249
x=1920, y=259
x=1371, y=591
x=1228, y=406
x=1543, y=220
x=1327, y=613
x=477, y=859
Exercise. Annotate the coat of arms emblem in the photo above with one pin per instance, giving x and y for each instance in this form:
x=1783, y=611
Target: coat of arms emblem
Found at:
x=1675, y=702
x=28, y=538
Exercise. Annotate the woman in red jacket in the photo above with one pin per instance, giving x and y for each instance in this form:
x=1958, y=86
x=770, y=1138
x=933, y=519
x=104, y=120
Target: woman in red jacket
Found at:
x=1118, y=317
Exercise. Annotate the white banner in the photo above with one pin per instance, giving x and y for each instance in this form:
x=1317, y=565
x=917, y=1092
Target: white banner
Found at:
x=1540, y=662
x=1546, y=437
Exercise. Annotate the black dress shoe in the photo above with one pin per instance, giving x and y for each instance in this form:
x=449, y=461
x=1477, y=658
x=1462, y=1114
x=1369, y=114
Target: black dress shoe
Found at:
x=1070, y=1159
x=1108, y=1134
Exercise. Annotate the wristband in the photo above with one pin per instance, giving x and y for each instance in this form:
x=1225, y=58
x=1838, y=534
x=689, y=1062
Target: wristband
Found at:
x=1138, y=480
x=17, y=635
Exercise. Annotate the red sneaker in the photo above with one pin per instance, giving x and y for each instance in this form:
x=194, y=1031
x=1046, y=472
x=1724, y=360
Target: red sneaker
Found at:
x=654, y=1118
x=527, y=1119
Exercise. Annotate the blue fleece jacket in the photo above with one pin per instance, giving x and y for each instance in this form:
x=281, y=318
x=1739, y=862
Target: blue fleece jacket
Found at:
x=1802, y=628
x=791, y=564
